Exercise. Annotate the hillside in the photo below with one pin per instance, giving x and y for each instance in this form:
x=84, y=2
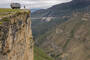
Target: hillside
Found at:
x=70, y=38
x=39, y=54
x=42, y=21
x=66, y=35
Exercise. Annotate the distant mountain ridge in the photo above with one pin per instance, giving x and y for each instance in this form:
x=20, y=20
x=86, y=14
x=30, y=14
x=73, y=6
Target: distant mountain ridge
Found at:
x=79, y=1
x=34, y=9
x=58, y=9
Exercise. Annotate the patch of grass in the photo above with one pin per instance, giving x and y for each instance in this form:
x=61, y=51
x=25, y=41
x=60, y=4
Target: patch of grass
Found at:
x=0, y=22
x=7, y=11
x=39, y=54
x=5, y=19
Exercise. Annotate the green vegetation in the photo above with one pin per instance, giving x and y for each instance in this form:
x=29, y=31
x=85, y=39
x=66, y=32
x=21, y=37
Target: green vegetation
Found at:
x=39, y=54
x=5, y=19
x=7, y=11
x=0, y=22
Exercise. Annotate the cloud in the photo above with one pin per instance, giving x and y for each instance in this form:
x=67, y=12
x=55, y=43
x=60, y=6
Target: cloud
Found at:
x=32, y=3
x=45, y=3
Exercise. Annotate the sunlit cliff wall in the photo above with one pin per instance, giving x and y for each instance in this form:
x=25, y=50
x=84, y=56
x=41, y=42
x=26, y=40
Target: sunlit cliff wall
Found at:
x=16, y=37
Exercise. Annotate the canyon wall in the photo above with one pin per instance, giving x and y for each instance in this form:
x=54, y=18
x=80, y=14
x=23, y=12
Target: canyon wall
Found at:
x=16, y=41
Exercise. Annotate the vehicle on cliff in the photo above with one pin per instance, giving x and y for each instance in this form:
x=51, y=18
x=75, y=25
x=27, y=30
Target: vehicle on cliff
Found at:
x=15, y=5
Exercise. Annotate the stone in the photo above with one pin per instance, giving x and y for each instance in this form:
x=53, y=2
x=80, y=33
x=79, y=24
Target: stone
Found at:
x=16, y=41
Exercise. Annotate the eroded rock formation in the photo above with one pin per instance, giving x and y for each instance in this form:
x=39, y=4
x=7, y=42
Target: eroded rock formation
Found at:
x=16, y=37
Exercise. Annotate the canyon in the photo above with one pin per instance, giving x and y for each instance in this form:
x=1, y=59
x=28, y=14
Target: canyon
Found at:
x=66, y=36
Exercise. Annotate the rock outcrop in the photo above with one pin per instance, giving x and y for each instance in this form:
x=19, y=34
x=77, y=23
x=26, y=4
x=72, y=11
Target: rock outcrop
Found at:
x=16, y=37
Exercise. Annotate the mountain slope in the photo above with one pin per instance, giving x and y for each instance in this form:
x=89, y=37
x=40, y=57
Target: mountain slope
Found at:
x=60, y=10
x=67, y=38
x=44, y=20
x=40, y=54
x=70, y=40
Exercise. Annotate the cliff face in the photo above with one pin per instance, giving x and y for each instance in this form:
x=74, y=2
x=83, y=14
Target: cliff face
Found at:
x=16, y=37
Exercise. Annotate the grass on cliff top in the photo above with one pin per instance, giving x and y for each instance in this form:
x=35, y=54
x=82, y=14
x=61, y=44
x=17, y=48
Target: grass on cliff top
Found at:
x=3, y=10
x=39, y=54
x=7, y=11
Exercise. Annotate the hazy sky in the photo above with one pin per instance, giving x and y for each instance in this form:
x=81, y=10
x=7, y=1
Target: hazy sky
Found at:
x=32, y=3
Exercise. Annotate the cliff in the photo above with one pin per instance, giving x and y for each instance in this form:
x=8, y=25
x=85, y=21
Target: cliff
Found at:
x=15, y=35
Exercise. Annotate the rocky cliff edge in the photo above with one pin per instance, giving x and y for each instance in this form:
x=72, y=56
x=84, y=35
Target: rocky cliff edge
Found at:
x=15, y=35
